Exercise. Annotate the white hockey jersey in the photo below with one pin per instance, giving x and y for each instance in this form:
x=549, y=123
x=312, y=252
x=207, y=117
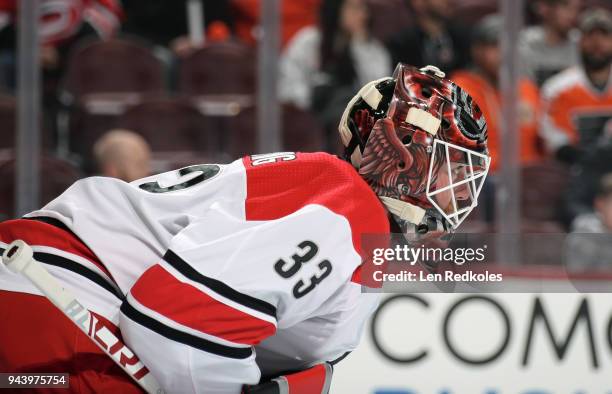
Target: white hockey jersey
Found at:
x=231, y=271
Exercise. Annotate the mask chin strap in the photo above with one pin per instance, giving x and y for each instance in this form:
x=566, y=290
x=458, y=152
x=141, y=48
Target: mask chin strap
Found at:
x=419, y=218
x=404, y=210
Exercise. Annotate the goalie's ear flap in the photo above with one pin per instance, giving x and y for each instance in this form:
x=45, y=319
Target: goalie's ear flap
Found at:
x=365, y=108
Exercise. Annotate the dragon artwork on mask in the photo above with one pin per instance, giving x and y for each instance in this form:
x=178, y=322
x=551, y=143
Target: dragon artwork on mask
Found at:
x=419, y=140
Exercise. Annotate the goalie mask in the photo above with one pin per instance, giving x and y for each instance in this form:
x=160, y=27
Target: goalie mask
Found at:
x=419, y=141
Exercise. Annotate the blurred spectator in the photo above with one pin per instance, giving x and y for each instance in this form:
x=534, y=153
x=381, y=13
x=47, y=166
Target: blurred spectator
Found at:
x=337, y=54
x=63, y=23
x=551, y=46
x=165, y=23
x=600, y=220
x=295, y=15
x=123, y=154
x=434, y=39
x=583, y=183
x=577, y=103
x=481, y=82
x=323, y=66
x=585, y=250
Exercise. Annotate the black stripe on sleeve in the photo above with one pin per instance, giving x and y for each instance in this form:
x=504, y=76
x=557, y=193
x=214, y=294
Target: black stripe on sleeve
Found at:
x=183, y=337
x=263, y=388
x=217, y=286
x=62, y=262
x=337, y=360
x=67, y=264
x=52, y=222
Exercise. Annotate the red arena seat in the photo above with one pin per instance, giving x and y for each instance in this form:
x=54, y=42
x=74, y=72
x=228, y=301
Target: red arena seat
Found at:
x=218, y=69
x=58, y=175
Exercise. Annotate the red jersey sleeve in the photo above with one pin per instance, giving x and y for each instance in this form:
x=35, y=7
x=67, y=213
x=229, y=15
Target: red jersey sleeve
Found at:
x=279, y=184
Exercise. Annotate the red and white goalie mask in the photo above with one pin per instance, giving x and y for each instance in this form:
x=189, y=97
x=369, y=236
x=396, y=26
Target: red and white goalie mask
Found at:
x=419, y=141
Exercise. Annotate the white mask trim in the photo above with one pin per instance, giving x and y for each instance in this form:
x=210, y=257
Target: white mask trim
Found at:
x=423, y=120
x=434, y=70
x=372, y=96
x=404, y=210
x=345, y=133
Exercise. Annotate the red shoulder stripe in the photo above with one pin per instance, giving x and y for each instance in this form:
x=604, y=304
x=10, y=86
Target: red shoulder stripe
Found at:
x=185, y=304
x=43, y=234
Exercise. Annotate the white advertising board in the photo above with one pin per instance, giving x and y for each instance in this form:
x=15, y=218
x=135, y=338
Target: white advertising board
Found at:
x=483, y=344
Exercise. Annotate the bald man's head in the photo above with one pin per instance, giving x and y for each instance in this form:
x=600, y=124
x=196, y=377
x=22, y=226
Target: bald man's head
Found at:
x=123, y=154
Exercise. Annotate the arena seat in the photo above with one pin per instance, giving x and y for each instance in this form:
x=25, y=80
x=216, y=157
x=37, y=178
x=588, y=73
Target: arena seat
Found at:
x=169, y=161
x=102, y=79
x=540, y=245
x=543, y=186
x=57, y=176
x=8, y=119
x=117, y=65
x=170, y=125
x=240, y=132
x=301, y=132
x=218, y=68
